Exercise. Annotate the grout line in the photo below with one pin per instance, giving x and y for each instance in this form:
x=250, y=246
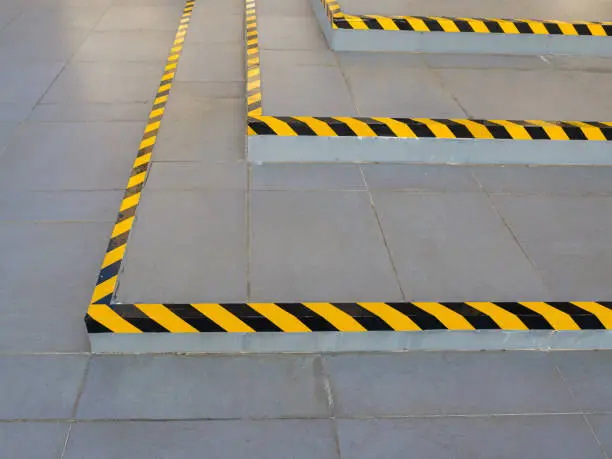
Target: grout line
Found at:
x=81, y=387
x=330, y=403
x=382, y=232
x=62, y=454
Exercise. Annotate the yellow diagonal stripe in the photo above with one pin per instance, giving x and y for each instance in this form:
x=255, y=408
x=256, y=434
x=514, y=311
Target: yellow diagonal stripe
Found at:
x=136, y=179
x=122, y=227
x=339, y=319
x=451, y=319
x=601, y=312
x=440, y=130
x=399, y=129
x=358, y=127
x=222, y=317
x=506, y=320
x=142, y=159
x=559, y=320
x=104, y=289
x=166, y=318
x=516, y=131
x=110, y=319
x=395, y=319
x=113, y=256
x=476, y=129
x=321, y=128
x=278, y=126
x=279, y=317
x=130, y=202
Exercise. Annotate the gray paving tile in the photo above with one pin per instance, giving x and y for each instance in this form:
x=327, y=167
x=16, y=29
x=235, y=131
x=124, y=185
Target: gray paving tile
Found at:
x=220, y=439
x=126, y=46
x=602, y=425
x=98, y=206
x=105, y=82
x=7, y=130
x=587, y=375
x=207, y=8
x=484, y=61
x=597, y=64
x=279, y=59
x=371, y=61
x=56, y=19
x=565, y=237
x=529, y=437
x=283, y=8
x=70, y=156
x=34, y=45
x=407, y=93
x=140, y=18
x=8, y=13
x=23, y=82
x=317, y=246
x=86, y=111
x=61, y=261
x=215, y=137
x=196, y=60
x=15, y=111
x=208, y=387
x=419, y=178
x=221, y=29
x=27, y=440
x=294, y=33
x=42, y=387
x=594, y=87
x=537, y=94
x=545, y=180
x=306, y=177
x=433, y=237
x=191, y=92
x=323, y=92
x=434, y=383
x=204, y=176
x=188, y=246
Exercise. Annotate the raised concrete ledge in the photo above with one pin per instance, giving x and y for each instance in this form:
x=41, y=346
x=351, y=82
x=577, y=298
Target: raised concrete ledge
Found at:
x=459, y=42
x=374, y=341
x=314, y=149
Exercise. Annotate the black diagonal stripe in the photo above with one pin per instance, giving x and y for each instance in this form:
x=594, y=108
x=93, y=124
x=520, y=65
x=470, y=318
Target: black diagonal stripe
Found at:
x=419, y=129
x=372, y=23
x=537, y=132
x=194, y=318
x=105, y=300
x=607, y=29
x=584, y=319
x=553, y=28
x=108, y=272
x=93, y=326
x=313, y=321
x=476, y=318
x=497, y=131
x=402, y=24
x=157, y=107
x=300, y=127
x=531, y=319
x=463, y=26
x=342, y=23
x=165, y=92
x=574, y=132
x=523, y=27
x=260, y=127
x=125, y=214
x=380, y=129
x=369, y=321
x=139, y=169
x=255, y=105
x=423, y=319
x=139, y=319
x=117, y=241
x=251, y=317
x=493, y=26
x=341, y=129
x=433, y=25
x=582, y=29
x=144, y=151
x=458, y=130
x=133, y=190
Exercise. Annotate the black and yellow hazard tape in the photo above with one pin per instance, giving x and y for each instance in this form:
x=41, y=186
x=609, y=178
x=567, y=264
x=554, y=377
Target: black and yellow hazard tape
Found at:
x=347, y=317
x=340, y=20
x=105, y=316
x=111, y=265
x=429, y=128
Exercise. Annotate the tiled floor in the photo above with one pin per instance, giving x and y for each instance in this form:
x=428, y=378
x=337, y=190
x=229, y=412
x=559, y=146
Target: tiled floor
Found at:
x=74, y=97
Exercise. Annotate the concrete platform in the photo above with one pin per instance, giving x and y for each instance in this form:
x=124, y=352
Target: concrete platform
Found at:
x=315, y=105
x=444, y=26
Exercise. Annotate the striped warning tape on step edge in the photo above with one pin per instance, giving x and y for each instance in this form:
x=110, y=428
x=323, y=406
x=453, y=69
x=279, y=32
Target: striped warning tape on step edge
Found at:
x=342, y=20
x=347, y=317
x=111, y=265
x=253, y=80
x=429, y=128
